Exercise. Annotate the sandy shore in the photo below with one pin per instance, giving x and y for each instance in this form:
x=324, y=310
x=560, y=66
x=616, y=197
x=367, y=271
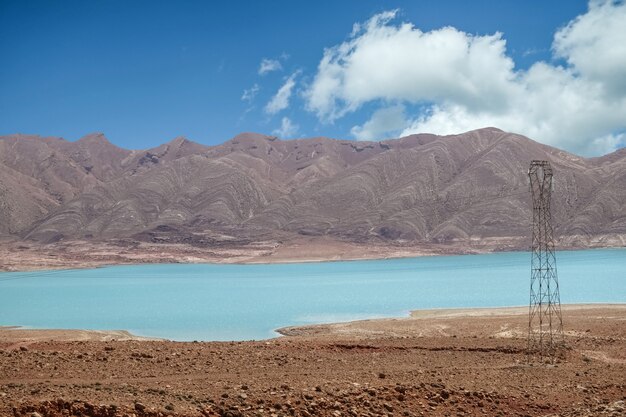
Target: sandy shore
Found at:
x=433, y=363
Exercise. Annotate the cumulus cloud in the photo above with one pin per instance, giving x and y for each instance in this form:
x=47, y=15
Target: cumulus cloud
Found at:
x=287, y=128
x=468, y=81
x=382, y=61
x=385, y=122
x=269, y=65
x=250, y=93
x=594, y=45
x=280, y=101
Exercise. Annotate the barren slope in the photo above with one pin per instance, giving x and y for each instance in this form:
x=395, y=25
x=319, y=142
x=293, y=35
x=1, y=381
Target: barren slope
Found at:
x=422, y=189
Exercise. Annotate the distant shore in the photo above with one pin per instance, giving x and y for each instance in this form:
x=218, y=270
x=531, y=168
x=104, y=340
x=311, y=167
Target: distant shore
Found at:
x=16, y=256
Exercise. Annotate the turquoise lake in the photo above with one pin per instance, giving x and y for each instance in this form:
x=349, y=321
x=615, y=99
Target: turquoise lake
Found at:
x=243, y=302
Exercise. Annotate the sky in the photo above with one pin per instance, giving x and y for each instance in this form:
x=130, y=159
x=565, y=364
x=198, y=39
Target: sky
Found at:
x=145, y=72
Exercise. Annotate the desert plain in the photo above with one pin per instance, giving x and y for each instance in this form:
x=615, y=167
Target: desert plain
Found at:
x=433, y=363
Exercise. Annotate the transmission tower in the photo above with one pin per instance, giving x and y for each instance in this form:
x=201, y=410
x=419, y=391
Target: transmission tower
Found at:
x=545, y=325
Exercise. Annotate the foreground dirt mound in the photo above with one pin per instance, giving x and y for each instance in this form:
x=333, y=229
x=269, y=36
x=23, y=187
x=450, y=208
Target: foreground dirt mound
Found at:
x=62, y=408
x=428, y=365
x=363, y=404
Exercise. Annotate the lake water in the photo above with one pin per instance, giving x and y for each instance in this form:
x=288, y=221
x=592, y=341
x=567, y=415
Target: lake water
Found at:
x=241, y=302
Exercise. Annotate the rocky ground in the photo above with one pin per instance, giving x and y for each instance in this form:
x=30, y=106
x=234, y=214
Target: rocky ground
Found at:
x=442, y=363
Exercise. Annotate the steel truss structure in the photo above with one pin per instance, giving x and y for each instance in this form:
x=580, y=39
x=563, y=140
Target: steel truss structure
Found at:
x=545, y=324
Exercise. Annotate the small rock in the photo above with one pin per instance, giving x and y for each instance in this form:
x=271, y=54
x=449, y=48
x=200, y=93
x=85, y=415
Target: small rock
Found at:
x=23, y=348
x=382, y=375
x=140, y=407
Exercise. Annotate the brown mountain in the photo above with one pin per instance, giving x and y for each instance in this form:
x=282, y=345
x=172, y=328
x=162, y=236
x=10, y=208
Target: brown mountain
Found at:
x=467, y=189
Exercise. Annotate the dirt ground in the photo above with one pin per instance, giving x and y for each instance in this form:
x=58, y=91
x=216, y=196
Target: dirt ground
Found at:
x=434, y=363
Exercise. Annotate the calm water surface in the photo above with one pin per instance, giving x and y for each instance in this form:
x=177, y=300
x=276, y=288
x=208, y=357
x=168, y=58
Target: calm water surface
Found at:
x=241, y=302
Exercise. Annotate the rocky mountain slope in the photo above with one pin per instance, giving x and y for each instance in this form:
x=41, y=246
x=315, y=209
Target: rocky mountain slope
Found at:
x=421, y=189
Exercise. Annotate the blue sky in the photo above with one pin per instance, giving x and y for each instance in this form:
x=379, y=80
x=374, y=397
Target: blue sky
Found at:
x=144, y=72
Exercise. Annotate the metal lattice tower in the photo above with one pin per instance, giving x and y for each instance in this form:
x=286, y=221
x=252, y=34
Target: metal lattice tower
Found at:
x=545, y=325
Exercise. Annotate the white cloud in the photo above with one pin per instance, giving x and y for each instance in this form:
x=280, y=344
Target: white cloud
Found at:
x=594, y=44
x=280, y=101
x=401, y=62
x=467, y=81
x=385, y=122
x=269, y=65
x=287, y=128
x=250, y=93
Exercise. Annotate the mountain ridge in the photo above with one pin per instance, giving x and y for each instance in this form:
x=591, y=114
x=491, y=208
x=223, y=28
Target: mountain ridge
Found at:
x=421, y=188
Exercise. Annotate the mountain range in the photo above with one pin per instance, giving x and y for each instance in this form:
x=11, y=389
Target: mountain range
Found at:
x=461, y=189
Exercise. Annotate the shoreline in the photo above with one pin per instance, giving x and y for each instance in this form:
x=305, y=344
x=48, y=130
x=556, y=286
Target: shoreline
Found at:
x=378, y=254
x=25, y=335
x=264, y=260
x=445, y=313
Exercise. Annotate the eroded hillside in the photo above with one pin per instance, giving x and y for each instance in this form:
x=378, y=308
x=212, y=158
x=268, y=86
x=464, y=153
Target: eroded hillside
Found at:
x=418, y=189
